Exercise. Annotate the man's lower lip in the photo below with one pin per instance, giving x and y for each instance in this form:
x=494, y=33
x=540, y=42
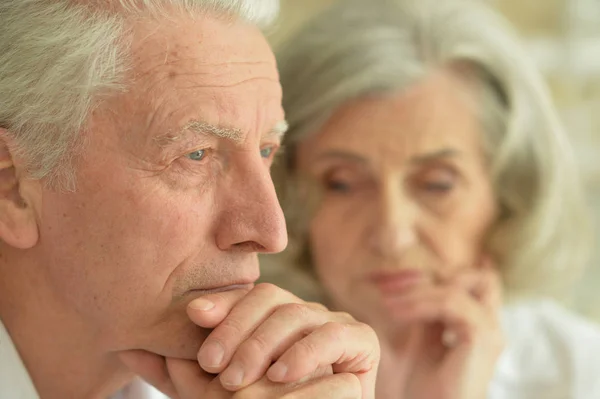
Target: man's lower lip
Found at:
x=247, y=287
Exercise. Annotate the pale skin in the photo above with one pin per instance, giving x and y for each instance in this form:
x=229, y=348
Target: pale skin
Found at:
x=397, y=239
x=174, y=200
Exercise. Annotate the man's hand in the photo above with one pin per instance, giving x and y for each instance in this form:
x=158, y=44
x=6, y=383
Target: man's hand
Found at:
x=268, y=324
x=183, y=379
x=268, y=343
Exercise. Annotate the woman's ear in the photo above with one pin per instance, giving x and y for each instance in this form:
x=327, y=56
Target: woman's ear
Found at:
x=18, y=221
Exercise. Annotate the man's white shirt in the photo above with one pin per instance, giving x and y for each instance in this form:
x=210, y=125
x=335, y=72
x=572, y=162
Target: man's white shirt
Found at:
x=15, y=382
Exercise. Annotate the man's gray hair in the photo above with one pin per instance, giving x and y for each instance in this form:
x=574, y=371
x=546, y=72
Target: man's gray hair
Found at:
x=59, y=58
x=361, y=48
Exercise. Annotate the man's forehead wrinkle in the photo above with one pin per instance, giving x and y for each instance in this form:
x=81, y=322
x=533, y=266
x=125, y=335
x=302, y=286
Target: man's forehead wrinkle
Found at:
x=215, y=77
x=196, y=62
x=229, y=85
x=155, y=117
x=158, y=67
x=166, y=139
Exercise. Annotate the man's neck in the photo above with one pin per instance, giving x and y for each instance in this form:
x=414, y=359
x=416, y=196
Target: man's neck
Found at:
x=63, y=357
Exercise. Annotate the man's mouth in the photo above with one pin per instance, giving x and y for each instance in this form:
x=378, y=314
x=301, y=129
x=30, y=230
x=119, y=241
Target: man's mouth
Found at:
x=231, y=287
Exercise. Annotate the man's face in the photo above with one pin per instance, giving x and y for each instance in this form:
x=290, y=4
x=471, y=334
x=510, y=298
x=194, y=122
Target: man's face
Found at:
x=166, y=208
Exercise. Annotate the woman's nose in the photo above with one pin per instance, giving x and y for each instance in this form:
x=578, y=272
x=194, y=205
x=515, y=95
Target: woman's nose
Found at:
x=394, y=227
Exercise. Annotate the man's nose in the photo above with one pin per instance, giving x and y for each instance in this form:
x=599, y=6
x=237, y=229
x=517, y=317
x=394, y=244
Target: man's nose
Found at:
x=394, y=227
x=250, y=217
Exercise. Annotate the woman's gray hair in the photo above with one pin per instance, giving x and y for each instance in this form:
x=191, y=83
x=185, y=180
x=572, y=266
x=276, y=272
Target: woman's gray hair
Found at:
x=361, y=48
x=59, y=58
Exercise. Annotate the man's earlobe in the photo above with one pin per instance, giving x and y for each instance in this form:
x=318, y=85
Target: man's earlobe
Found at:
x=18, y=221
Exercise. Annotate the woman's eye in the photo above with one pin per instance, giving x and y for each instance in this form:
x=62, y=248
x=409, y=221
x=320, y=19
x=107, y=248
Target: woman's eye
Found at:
x=266, y=152
x=439, y=181
x=197, y=155
x=337, y=186
x=439, y=187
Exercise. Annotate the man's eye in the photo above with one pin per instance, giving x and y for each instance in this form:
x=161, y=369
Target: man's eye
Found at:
x=266, y=152
x=196, y=155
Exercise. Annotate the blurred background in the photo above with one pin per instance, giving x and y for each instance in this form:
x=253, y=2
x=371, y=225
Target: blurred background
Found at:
x=564, y=38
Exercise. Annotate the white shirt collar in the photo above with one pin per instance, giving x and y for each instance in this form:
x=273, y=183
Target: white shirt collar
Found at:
x=15, y=382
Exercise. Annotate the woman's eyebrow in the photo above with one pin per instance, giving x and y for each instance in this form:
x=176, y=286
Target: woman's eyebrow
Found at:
x=343, y=155
x=435, y=155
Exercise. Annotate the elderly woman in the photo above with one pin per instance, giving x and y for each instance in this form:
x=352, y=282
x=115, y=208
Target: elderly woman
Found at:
x=428, y=185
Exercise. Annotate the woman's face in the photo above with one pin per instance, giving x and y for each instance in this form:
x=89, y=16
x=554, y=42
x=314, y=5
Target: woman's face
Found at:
x=406, y=193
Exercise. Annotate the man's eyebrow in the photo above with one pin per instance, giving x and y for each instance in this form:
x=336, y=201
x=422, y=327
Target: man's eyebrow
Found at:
x=278, y=131
x=443, y=153
x=199, y=127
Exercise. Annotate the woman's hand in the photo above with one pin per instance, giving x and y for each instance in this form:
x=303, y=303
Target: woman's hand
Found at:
x=461, y=336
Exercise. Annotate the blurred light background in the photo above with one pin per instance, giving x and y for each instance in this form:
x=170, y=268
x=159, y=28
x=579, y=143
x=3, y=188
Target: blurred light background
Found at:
x=564, y=39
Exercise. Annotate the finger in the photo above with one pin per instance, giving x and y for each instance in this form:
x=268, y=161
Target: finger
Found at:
x=491, y=292
x=483, y=283
x=288, y=324
x=349, y=347
x=336, y=386
x=191, y=382
x=248, y=313
x=152, y=368
x=471, y=281
x=454, y=308
x=210, y=310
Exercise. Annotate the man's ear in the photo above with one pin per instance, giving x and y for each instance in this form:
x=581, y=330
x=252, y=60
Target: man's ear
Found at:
x=18, y=194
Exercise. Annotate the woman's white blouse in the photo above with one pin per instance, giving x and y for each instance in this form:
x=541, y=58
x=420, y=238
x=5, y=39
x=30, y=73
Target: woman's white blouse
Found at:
x=550, y=354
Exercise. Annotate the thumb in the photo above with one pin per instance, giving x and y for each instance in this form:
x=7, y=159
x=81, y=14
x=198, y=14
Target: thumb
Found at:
x=209, y=311
x=152, y=368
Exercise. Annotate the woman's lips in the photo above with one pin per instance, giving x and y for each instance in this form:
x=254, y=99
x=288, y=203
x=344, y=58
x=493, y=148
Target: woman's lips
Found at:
x=394, y=282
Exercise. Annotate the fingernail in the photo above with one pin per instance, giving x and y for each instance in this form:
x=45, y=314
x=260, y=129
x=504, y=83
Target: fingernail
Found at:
x=277, y=372
x=211, y=354
x=201, y=304
x=232, y=376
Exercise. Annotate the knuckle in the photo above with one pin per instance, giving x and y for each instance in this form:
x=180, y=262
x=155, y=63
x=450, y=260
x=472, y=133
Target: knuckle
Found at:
x=294, y=311
x=306, y=349
x=345, y=316
x=363, y=327
x=335, y=330
x=268, y=289
x=318, y=306
x=371, y=334
x=230, y=327
x=275, y=294
x=253, y=350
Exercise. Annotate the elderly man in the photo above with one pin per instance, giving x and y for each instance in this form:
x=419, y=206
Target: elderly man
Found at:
x=136, y=138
